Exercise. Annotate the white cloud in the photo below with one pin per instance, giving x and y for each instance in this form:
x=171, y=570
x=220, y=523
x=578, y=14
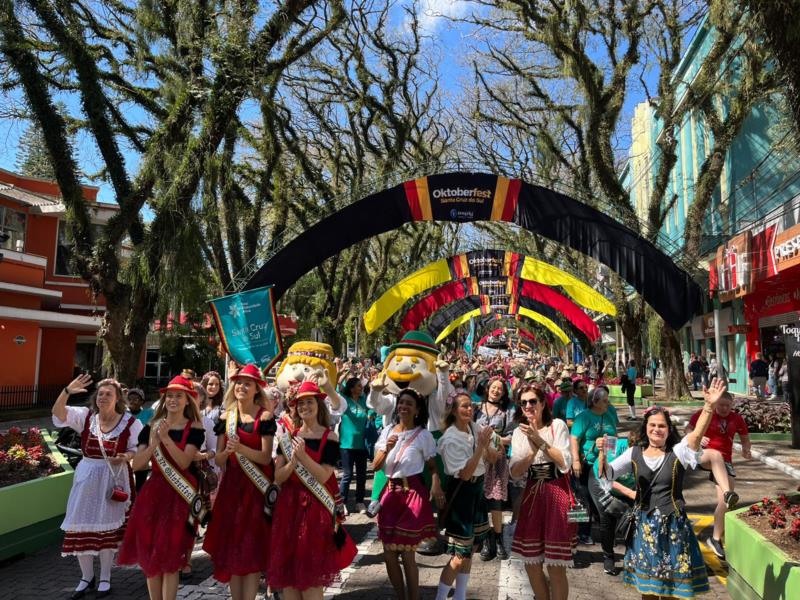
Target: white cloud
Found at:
x=434, y=13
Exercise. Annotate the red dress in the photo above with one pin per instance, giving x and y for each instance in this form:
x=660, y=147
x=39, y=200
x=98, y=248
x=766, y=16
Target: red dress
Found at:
x=303, y=532
x=159, y=538
x=237, y=538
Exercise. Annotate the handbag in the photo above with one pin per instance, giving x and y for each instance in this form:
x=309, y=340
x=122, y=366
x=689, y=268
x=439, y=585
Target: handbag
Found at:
x=115, y=492
x=626, y=525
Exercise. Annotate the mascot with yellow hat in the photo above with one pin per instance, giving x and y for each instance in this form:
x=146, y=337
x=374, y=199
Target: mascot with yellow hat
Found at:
x=411, y=363
x=311, y=360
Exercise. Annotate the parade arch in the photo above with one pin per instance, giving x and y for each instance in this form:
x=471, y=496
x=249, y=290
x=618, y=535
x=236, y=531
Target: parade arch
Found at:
x=521, y=331
x=507, y=290
x=440, y=331
x=469, y=197
x=482, y=264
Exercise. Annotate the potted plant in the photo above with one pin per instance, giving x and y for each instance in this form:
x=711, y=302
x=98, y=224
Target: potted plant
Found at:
x=762, y=545
x=35, y=481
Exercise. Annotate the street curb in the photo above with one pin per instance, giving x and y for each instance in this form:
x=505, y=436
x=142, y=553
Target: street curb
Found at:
x=767, y=460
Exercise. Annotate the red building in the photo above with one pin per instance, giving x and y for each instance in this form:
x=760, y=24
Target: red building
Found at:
x=48, y=319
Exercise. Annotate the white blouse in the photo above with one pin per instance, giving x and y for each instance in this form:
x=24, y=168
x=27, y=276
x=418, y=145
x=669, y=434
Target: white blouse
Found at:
x=412, y=460
x=624, y=462
x=456, y=447
x=556, y=434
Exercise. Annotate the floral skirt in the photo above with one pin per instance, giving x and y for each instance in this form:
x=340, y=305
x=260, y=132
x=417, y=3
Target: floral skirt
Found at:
x=664, y=558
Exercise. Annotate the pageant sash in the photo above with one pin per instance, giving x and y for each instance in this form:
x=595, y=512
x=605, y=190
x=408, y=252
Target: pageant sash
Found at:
x=253, y=473
x=320, y=492
x=197, y=510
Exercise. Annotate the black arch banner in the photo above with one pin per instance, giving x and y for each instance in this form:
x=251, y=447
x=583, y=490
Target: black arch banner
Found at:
x=468, y=197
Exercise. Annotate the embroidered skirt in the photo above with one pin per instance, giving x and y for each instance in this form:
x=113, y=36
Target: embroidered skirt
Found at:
x=468, y=519
x=495, y=481
x=664, y=558
x=406, y=516
x=543, y=533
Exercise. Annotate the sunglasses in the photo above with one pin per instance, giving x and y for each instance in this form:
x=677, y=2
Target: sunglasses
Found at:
x=530, y=402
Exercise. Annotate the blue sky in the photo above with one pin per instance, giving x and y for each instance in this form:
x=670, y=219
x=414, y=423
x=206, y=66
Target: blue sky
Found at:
x=446, y=40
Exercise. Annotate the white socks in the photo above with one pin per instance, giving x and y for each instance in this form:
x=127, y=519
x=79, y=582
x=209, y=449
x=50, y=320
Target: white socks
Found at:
x=86, y=563
x=462, y=579
x=632, y=411
x=106, y=560
x=442, y=592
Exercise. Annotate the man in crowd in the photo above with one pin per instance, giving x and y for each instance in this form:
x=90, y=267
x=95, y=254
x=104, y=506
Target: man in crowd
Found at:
x=759, y=371
x=717, y=458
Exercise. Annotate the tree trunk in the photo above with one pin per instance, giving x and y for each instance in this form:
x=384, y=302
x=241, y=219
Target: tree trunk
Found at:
x=672, y=364
x=125, y=335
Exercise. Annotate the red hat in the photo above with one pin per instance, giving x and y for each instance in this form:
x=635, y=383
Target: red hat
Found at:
x=250, y=372
x=309, y=388
x=180, y=383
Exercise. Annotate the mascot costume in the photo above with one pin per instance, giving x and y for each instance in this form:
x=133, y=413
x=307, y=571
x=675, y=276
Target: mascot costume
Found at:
x=412, y=362
x=311, y=360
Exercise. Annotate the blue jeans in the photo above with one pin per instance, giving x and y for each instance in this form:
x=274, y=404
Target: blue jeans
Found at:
x=351, y=458
x=696, y=377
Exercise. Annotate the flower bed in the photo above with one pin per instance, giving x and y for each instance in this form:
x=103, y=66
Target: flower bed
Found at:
x=763, y=416
x=24, y=455
x=763, y=548
x=32, y=511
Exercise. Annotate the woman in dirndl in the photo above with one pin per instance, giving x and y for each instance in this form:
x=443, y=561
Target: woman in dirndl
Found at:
x=101, y=494
x=495, y=412
x=540, y=452
x=465, y=449
x=663, y=558
x=312, y=546
x=237, y=539
x=406, y=515
x=161, y=530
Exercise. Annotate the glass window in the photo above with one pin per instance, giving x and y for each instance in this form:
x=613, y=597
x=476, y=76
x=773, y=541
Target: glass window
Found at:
x=156, y=369
x=12, y=224
x=64, y=250
x=731, y=353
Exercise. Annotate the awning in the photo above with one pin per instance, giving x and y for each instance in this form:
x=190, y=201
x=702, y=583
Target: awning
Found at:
x=48, y=318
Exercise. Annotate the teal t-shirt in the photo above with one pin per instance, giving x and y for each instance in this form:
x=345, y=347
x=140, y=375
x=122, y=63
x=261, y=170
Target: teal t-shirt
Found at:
x=560, y=408
x=575, y=406
x=588, y=427
x=145, y=415
x=354, y=421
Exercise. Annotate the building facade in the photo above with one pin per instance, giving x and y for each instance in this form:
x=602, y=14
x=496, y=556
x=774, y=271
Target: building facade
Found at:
x=49, y=321
x=753, y=206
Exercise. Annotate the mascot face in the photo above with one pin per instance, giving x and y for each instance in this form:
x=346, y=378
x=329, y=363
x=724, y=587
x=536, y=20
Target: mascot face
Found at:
x=407, y=367
x=304, y=359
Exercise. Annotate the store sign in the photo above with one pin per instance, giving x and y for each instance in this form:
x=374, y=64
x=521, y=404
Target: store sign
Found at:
x=786, y=249
x=739, y=328
x=733, y=266
x=708, y=325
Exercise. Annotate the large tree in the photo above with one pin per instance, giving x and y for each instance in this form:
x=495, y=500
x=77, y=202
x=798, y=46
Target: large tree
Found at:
x=560, y=74
x=157, y=85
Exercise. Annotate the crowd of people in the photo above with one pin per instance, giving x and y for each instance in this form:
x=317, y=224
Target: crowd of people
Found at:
x=533, y=435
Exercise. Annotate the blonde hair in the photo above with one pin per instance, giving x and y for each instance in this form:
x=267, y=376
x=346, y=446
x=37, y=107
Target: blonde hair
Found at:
x=230, y=398
x=190, y=411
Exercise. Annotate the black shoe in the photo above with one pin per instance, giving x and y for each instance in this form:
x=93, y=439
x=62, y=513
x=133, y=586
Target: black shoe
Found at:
x=502, y=553
x=104, y=593
x=609, y=568
x=432, y=547
x=76, y=594
x=185, y=575
x=731, y=499
x=489, y=551
x=716, y=547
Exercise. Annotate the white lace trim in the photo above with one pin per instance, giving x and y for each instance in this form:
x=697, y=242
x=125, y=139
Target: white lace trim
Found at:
x=94, y=427
x=538, y=560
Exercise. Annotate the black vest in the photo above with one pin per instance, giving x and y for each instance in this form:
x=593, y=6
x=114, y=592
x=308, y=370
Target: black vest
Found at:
x=665, y=493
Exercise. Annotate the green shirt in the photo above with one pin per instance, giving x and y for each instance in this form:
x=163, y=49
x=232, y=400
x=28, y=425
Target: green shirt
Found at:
x=628, y=480
x=354, y=421
x=560, y=408
x=587, y=427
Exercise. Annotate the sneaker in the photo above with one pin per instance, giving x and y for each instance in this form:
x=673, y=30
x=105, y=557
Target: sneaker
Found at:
x=609, y=568
x=716, y=547
x=585, y=540
x=361, y=508
x=731, y=499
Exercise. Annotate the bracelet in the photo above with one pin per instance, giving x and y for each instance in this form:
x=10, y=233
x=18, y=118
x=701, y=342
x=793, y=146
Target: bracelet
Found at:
x=708, y=411
x=66, y=391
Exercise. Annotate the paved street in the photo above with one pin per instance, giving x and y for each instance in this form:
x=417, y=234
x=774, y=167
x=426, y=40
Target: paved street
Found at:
x=47, y=575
